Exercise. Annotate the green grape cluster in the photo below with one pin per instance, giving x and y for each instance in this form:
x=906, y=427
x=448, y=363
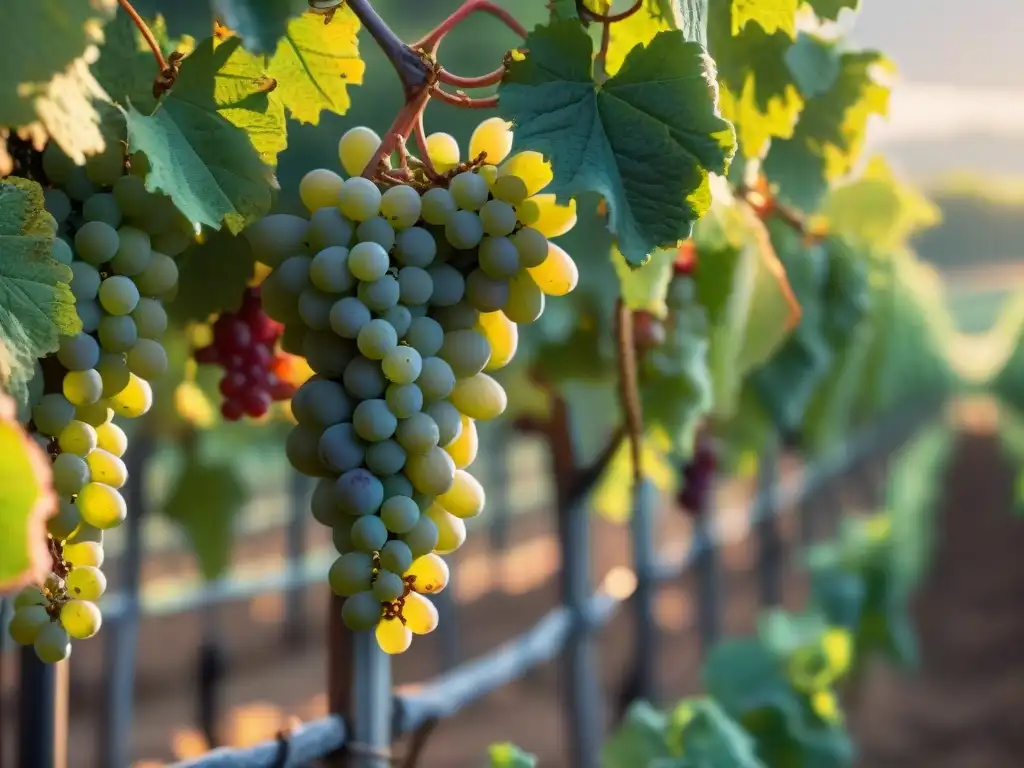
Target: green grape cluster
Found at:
x=119, y=241
x=404, y=297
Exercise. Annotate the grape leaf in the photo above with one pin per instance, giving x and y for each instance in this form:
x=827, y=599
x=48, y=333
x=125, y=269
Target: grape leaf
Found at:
x=184, y=17
x=639, y=28
x=788, y=380
x=645, y=288
x=772, y=15
x=740, y=282
x=814, y=63
x=27, y=499
x=758, y=91
x=508, y=755
x=212, y=142
x=879, y=210
x=654, y=120
x=125, y=68
x=212, y=277
x=639, y=740
x=314, y=64
x=207, y=498
x=45, y=73
x=830, y=9
x=260, y=23
x=830, y=134
x=36, y=303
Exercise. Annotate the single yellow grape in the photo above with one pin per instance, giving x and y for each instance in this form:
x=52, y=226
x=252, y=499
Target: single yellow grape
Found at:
x=525, y=299
x=107, y=468
x=544, y=214
x=134, y=400
x=451, y=531
x=112, y=438
x=443, y=150
x=101, y=506
x=488, y=173
x=503, y=336
x=557, y=275
x=319, y=189
x=480, y=397
x=463, y=449
x=466, y=497
x=429, y=574
x=81, y=618
x=531, y=167
x=493, y=136
x=420, y=614
x=356, y=148
x=393, y=636
x=83, y=553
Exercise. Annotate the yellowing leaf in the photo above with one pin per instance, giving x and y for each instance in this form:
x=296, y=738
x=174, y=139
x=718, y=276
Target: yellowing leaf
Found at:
x=315, y=63
x=27, y=499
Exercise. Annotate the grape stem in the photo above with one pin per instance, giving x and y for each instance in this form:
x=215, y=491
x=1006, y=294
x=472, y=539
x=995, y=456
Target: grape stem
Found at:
x=147, y=33
x=607, y=19
x=629, y=385
x=432, y=39
x=413, y=69
x=421, y=76
x=482, y=81
x=168, y=73
x=765, y=205
x=461, y=99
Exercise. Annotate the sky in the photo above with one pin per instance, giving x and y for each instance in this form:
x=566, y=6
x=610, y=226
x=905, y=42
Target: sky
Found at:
x=958, y=103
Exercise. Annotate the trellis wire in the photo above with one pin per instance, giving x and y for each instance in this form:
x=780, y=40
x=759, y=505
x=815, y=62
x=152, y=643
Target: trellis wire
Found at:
x=567, y=631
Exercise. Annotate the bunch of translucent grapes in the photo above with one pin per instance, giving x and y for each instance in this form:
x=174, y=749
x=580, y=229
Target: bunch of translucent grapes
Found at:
x=404, y=299
x=119, y=241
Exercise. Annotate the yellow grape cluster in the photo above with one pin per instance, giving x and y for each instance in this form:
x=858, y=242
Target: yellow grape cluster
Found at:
x=405, y=298
x=119, y=241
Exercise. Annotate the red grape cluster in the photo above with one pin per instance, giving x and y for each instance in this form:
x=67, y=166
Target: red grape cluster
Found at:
x=698, y=475
x=245, y=345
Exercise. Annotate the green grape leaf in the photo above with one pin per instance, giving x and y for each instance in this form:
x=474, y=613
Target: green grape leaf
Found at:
x=814, y=62
x=645, y=289
x=676, y=386
x=830, y=134
x=639, y=741
x=27, y=499
x=212, y=277
x=830, y=9
x=315, y=63
x=878, y=210
x=758, y=91
x=563, y=10
x=125, y=65
x=744, y=288
x=771, y=15
x=655, y=118
x=749, y=682
x=708, y=738
x=46, y=76
x=260, y=23
x=207, y=498
x=789, y=379
x=212, y=143
x=654, y=16
x=184, y=17
x=36, y=303
x=506, y=755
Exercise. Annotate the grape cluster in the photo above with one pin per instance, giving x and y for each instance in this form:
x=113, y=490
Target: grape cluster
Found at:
x=404, y=298
x=245, y=345
x=119, y=240
x=698, y=475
